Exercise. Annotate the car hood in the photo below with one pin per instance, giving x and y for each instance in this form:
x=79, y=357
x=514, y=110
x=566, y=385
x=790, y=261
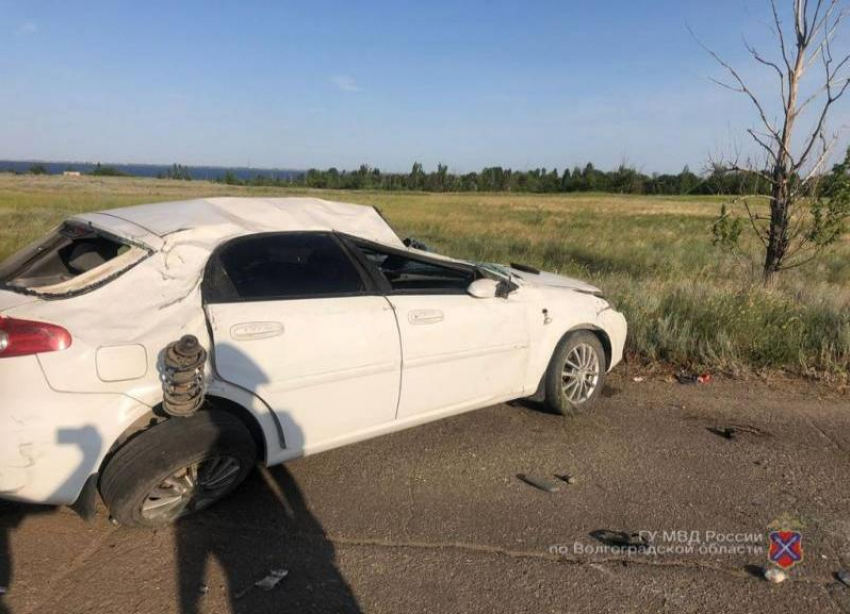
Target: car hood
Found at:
x=552, y=280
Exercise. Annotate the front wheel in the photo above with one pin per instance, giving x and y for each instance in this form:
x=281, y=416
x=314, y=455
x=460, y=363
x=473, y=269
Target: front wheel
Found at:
x=576, y=373
x=176, y=468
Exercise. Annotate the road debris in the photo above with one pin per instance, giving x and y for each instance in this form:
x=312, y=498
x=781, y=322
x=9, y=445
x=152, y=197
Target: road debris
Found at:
x=775, y=575
x=731, y=431
x=2, y=590
x=272, y=580
x=621, y=539
x=843, y=577
x=693, y=378
x=539, y=483
x=203, y=589
x=638, y=379
x=569, y=479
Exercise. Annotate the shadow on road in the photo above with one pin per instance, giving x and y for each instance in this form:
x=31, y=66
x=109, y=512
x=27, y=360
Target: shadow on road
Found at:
x=11, y=515
x=88, y=440
x=265, y=526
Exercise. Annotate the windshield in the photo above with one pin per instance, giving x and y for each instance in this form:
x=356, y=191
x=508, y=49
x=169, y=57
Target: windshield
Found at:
x=497, y=269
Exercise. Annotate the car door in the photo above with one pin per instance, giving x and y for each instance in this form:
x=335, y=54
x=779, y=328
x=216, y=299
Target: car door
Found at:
x=295, y=321
x=458, y=351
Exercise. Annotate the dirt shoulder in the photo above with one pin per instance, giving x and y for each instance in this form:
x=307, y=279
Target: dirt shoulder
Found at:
x=435, y=520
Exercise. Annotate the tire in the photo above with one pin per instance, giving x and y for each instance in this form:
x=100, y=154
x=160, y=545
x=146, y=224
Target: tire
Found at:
x=582, y=349
x=176, y=468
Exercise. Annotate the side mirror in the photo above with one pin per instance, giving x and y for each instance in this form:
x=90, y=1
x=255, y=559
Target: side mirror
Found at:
x=484, y=288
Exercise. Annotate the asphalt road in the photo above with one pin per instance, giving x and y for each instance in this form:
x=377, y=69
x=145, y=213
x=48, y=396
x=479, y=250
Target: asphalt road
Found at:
x=435, y=520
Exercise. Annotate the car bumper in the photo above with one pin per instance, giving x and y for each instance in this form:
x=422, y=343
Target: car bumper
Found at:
x=51, y=442
x=615, y=326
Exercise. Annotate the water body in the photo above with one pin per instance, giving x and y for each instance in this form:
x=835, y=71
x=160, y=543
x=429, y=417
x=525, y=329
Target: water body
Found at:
x=150, y=170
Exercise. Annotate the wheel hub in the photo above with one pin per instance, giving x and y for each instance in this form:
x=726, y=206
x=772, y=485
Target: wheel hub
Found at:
x=191, y=488
x=580, y=375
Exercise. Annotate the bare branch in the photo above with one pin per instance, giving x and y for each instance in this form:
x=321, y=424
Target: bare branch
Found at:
x=826, y=151
x=780, y=34
x=764, y=145
x=829, y=33
x=742, y=86
x=832, y=97
x=761, y=233
x=761, y=60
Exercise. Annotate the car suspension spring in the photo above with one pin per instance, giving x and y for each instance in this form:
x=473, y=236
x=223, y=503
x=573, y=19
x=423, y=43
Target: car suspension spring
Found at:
x=183, y=383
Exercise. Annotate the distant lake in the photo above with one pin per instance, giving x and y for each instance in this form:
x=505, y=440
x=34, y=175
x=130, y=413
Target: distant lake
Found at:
x=151, y=170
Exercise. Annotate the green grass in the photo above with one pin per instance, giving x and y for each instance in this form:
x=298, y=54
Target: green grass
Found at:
x=687, y=304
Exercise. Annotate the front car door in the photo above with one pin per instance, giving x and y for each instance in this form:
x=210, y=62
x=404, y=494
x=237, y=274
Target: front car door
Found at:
x=297, y=322
x=458, y=352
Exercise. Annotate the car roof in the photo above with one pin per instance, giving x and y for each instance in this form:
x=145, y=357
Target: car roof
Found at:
x=217, y=219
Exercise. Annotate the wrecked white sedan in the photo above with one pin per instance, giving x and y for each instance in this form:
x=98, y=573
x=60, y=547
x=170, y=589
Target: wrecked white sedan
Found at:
x=155, y=353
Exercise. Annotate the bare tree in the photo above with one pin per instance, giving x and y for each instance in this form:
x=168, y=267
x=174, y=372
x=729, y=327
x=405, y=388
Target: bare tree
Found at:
x=800, y=223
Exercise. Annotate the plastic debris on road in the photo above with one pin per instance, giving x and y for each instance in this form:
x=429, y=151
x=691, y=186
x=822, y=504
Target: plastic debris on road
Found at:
x=775, y=575
x=272, y=580
x=843, y=577
x=539, y=483
x=693, y=378
x=569, y=479
x=733, y=430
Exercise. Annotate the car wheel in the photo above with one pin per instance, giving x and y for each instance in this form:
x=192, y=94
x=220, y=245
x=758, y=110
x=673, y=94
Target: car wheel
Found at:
x=176, y=468
x=576, y=373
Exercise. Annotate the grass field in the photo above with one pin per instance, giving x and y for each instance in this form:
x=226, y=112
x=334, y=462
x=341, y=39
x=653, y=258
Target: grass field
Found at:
x=687, y=304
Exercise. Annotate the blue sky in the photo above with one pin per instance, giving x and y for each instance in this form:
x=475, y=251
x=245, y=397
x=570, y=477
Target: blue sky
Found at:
x=283, y=84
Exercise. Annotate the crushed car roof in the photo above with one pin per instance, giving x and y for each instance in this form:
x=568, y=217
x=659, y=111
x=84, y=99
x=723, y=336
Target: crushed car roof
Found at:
x=219, y=218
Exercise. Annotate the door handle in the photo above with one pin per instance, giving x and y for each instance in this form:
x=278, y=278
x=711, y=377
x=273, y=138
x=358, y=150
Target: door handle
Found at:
x=425, y=316
x=249, y=331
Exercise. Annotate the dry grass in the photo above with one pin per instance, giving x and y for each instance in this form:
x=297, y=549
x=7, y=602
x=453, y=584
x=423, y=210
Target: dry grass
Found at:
x=687, y=304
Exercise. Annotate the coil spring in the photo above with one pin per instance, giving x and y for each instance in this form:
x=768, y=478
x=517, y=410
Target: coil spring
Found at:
x=183, y=383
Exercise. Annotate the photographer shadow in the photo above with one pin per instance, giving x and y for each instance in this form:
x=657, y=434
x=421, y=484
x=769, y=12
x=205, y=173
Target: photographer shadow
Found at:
x=264, y=529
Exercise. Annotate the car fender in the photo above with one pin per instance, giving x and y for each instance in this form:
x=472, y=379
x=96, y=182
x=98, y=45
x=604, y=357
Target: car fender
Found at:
x=567, y=312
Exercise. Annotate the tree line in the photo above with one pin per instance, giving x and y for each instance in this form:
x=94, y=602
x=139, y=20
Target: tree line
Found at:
x=623, y=180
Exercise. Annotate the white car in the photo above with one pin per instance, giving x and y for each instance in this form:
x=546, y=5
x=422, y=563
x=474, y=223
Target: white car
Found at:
x=304, y=325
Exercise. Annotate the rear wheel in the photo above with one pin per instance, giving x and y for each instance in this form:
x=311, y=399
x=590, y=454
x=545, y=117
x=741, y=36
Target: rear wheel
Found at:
x=176, y=468
x=576, y=373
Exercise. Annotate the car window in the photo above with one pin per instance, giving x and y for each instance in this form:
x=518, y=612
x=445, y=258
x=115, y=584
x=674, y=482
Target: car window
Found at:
x=69, y=253
x=282, y=266
x=412, y=275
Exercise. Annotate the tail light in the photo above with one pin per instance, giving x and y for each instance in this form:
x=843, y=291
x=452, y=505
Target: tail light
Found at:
x=24, y=337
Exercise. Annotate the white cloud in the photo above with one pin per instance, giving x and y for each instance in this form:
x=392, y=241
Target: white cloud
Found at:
x=345, y=83
x=28, y=27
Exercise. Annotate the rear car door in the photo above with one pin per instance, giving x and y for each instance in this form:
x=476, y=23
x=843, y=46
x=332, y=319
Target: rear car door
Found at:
x=297, y=322
x=458, y=351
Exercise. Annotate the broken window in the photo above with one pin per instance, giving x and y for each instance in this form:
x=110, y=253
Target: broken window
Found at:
x=68, y=259
x=416, y=276
x=280, y=266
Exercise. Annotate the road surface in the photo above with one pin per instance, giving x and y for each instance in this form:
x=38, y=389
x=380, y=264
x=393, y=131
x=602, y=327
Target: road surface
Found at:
x=434, y=519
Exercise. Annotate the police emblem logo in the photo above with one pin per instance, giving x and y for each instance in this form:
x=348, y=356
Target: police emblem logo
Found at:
x=786, y=548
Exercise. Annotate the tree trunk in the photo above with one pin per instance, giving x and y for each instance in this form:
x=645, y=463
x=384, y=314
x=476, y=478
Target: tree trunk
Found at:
x=777, y=239
x=780, y=193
